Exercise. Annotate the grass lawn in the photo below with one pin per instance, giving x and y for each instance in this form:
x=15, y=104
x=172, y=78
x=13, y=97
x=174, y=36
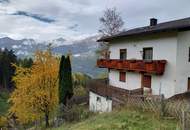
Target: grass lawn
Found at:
x=122, y=120
x=4, y=106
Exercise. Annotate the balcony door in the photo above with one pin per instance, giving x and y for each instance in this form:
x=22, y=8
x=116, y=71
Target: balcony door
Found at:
x=148, y=53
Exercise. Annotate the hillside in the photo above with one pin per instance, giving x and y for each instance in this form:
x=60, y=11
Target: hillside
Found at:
x=122, y=120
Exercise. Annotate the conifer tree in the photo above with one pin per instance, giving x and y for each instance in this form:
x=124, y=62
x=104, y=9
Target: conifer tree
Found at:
x=70, y=83
x=61, y=82
x=7, y=58
x=65, y=80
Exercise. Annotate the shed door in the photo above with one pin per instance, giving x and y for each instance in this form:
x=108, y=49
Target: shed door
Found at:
x=146, y=81
x=98, y=104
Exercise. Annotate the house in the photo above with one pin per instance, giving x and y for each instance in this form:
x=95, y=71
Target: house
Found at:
x=154, y=58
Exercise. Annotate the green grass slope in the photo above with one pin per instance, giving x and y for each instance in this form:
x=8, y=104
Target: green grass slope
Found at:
x=122, y=120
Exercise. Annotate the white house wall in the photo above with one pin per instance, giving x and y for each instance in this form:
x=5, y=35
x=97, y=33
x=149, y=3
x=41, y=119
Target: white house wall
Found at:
x=103, y=105
x=130, y=78
x=164, y=48
x=183, y=65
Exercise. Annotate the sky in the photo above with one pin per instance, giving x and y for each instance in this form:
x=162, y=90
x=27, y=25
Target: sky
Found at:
x=78, y=19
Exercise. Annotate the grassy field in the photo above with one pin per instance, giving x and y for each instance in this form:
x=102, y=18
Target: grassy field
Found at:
x=4, y=95
x=122, y=120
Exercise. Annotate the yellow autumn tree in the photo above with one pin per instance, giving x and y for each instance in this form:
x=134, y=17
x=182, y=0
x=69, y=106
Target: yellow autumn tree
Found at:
x=36, y=93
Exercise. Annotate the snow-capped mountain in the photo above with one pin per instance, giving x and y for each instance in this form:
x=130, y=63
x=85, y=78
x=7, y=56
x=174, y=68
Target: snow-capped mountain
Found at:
x=78, y=47
x=22, y=48
x=83, y=51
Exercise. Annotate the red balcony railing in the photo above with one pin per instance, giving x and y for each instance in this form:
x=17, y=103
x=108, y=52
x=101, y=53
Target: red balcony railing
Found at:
x=153, y=66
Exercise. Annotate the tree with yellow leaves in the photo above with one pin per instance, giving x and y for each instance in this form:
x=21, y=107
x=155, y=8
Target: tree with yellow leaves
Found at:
x=36, y=93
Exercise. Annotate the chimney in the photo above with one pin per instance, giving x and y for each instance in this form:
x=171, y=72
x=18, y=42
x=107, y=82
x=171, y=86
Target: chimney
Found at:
x=153, y=22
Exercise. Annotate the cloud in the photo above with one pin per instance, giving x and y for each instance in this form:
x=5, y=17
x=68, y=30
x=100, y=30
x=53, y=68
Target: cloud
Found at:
x=71, y=19
x=4, y=1
x=35, y=16
x=73, y=27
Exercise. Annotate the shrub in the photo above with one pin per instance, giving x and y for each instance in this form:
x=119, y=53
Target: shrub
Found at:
x=3, y=121
x=76, y=113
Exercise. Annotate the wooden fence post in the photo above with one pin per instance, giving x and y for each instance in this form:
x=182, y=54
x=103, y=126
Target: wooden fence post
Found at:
x=183, y=120
x=184, y=123
x=162, y=106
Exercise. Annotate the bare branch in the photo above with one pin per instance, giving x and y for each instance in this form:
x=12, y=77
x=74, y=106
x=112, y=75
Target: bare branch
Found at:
x=111, y=22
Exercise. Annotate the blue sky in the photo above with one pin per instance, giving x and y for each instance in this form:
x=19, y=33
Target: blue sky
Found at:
x=77, y=19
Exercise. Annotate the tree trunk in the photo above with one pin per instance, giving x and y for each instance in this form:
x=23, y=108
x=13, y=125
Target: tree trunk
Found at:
x=47, y=119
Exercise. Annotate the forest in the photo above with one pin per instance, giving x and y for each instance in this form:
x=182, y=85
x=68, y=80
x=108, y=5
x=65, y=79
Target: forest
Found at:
x=7, y=70
x=35, y=89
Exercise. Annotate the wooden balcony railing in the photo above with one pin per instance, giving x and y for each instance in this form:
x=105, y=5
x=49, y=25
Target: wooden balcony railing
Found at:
x=103, y=89
x=152, y=67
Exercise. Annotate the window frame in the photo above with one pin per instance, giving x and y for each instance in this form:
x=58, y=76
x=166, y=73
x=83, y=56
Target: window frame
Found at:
x=145, y=49
x=120, y=52
x=122, y=76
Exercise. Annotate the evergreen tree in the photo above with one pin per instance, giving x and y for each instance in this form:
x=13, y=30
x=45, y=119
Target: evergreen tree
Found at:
x=7, y=58
x=65, y=80
x=7, y=70
x=61, y=87
x=26, y=62
x=69, y=76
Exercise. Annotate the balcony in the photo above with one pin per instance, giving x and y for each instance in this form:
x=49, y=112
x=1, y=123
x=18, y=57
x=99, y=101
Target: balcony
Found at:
x=153, y=67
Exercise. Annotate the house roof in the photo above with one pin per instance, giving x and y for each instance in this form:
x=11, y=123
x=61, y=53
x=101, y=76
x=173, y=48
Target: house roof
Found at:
x=176, y=25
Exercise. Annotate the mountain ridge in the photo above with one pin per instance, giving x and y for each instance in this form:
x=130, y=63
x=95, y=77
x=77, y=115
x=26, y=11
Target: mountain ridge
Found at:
x=83, y=51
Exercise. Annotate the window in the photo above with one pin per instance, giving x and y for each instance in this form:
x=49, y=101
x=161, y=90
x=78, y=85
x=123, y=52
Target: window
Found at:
x=123, y=54
x=122, y=76
x=147, y=53
x=98, y=99
x=189, y=55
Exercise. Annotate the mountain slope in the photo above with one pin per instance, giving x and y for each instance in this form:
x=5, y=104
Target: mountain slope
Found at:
x=83, y=51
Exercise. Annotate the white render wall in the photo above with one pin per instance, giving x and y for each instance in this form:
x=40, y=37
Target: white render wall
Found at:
x=104, y=105
x=130, y=78
x=183, y=65
x=164, y=48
